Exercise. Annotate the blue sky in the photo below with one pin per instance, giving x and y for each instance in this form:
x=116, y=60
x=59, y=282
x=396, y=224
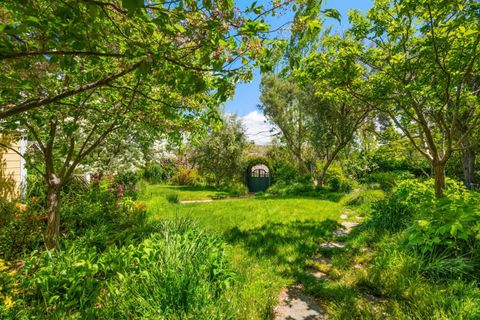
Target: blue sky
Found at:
x=246, y=98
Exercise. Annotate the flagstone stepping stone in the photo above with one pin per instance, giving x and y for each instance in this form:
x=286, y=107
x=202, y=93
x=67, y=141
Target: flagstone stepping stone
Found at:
x=319, y=275
x=349, y=225
x=322, y=260
x=296, y=305
x=341, y=232
x=332, y=245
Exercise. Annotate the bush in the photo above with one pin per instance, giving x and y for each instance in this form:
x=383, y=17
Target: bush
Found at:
x=172, y=198
x=337, y=181
x=186, y=177
x=236, y=189
x=293, y=189
x=443, y=232
x=363, y=197
x=21, y=229
x=156, y=173
x=388, y=180
x=174, y=271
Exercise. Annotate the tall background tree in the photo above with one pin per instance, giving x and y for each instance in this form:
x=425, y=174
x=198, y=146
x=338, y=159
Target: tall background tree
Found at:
x=221, y=154
x=425, y=55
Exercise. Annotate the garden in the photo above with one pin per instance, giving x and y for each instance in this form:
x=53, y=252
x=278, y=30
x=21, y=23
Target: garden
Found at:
x=128, y=191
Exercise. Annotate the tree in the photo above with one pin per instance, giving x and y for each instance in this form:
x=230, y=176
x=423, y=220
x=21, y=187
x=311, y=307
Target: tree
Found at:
x=54, y=42
x=221, y=154
x=66, y=137
x=281, y=105
x=312, y=106
x=425, y=55
x=336, y=115
x=75, y=73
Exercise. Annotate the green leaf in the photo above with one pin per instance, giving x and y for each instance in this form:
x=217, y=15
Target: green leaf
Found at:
x=332, y=13
x=179, y=28
x=132, y=5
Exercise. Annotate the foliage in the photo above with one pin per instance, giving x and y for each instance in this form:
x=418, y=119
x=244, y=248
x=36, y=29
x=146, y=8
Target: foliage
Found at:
x=361, y=197
x=292, y=189
x=21, y=229
x=433, y=58
x=220, y=156
x=156, y=173
x=89, y=43
x=337, y=181
x=172, y=197
x=442, y=232
x=388, y=180
x=186, y=177
x=281, y=104
x=182, y=267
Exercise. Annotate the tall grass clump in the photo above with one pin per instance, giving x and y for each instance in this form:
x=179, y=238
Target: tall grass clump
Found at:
x=426, y=257
x=175, y=270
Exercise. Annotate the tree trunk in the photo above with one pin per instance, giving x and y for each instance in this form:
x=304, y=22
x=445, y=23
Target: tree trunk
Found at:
x=323, y=173
x=439, y=175
x=53, y=204
x=468, y=164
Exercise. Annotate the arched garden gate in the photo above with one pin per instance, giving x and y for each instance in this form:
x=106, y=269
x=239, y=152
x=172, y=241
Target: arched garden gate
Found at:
x=258, y=177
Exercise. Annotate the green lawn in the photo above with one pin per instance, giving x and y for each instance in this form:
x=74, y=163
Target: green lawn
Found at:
x=269, y=239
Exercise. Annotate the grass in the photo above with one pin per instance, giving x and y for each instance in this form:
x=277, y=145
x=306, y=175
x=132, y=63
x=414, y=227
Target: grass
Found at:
x=270, y=239
x=185, y=192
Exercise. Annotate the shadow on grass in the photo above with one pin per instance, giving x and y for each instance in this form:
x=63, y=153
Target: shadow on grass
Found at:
x=285, y=245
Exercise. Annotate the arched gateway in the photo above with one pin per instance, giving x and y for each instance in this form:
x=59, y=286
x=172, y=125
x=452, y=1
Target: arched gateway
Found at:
x=258, y=177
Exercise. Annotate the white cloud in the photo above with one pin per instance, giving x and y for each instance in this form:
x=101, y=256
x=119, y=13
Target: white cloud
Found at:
x=258, y=128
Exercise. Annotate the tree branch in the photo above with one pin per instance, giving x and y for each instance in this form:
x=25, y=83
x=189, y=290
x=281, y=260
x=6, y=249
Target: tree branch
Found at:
x=32, y=104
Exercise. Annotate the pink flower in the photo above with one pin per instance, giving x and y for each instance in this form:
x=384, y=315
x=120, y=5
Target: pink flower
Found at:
x=117, y=205
x=120, y=188
x=120, y=195
x=110, y=190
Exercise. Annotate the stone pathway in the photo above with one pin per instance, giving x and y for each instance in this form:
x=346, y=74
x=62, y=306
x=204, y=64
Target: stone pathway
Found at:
x=293, y=304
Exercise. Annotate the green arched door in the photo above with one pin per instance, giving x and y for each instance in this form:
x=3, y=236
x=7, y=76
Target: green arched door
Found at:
x=259, y=178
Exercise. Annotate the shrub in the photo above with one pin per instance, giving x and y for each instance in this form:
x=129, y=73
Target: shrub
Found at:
x=293, y=189
x=156, y=173
x=172, y=197
x=337, y=181
x=443, y=232
x=186, y=177
x=174, y=270
x=236, y=189
x=363, y=197
x=388, y=180
x=21, y=229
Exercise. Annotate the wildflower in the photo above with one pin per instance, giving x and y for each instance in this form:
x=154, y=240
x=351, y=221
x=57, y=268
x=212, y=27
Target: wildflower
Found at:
x=117, y=205
x=8, y=302
x=110, y=190
x=120, y=195
x=34, y=199
x=120, y=188
x=21, y=207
